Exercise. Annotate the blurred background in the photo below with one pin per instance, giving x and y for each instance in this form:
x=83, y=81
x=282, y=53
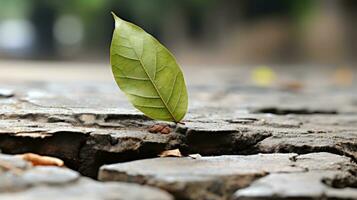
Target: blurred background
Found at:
x=230, y=32
x=266, y=43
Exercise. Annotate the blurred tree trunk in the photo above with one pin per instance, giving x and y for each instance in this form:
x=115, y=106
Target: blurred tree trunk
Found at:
x=43, y=18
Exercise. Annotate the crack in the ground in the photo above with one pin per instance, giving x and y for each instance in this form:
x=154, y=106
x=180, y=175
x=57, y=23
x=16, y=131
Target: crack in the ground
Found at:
x=65, y=145
x=83, y=119
x=86, y=151
x=301, y=111
x=305, y=149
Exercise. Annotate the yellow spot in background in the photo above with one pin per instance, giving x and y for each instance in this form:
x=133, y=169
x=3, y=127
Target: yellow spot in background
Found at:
x=263, y=76
x=343, y=76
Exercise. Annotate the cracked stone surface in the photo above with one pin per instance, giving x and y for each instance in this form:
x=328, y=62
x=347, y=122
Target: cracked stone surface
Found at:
x=89, y=123
x=308, y=185
x=321, y=180
x=20, y=180
x=263, y=175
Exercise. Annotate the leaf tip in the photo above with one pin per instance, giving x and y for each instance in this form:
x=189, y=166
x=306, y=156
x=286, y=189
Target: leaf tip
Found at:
x=116, y=19
x=114, y=15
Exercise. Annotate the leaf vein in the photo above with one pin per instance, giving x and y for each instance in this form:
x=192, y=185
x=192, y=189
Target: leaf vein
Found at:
x=155, y=63
x=126, y=57
x=147, y=106
x=180, y=94
x=157, y=90
x=172, y=88
x=144, y=96
x=132, y=78
x=128, y=47
x=118, y=68
x=162, y=68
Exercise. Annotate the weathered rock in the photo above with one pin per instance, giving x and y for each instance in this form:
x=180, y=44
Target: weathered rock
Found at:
x=216, y=138
x=90, y=123
x=254, y=133
x=45, y=124
x=20, y=180
x=204, y=178
x=36, y=176
x=82, y=147
x=328, y=176
x=316, y=133
x=309, y=185
x=218, y=177
x=89, y=190
x=112, y=146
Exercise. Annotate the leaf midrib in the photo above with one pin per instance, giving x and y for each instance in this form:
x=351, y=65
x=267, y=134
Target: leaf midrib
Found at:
x=152, y=82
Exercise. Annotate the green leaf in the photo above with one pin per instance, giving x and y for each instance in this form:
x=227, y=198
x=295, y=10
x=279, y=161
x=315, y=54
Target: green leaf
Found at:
x=147, y=73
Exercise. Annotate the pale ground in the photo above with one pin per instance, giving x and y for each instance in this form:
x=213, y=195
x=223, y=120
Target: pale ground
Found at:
x=50, y=71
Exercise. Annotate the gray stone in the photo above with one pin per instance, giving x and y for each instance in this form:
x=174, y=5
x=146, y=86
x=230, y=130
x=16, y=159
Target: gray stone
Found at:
x=254, y=133
x=218, y=177
x=20, y=180
x=93, y=136
x=328, y=176
x=336, y=134
x=89, y=123
x=216, y=138
x=89, y=190
x=81, y=146
x=13, y=161
x=36, y=176
x=309, y=185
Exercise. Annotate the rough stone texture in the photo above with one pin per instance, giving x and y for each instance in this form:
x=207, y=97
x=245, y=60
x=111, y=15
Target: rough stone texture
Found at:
x=325, y=178
x=254, y=133
x=79, y=136
x=38, y=122
x=21, y=181
x=308, y=185
x=218, y=177
x=87, y=122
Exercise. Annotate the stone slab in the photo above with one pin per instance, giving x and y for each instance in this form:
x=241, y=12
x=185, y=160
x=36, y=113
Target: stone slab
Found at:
x=309, y=185
x=22, y=181
x=218, y=177
x=100, y=131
